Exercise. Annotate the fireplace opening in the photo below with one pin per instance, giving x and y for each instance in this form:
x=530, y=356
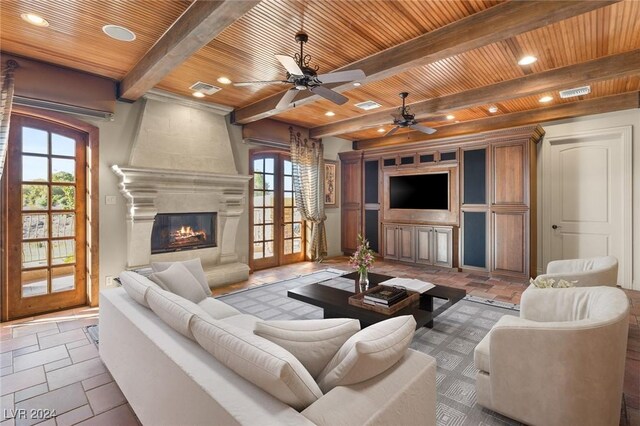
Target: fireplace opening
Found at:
x=183, y=231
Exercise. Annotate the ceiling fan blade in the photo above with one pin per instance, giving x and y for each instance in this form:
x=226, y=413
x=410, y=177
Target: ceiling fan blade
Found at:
x=340, y=76
x=250, y=83
x=290, y=64
x=423, y=129
x=329, y=94
x=286, y=99
x=392, y=131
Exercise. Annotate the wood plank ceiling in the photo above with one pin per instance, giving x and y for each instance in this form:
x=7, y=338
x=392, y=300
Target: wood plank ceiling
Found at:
x=340, y=33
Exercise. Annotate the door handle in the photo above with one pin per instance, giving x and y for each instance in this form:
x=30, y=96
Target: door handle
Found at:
x=555, y=226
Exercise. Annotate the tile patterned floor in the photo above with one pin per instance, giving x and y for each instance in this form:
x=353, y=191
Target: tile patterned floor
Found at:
x=48, y=362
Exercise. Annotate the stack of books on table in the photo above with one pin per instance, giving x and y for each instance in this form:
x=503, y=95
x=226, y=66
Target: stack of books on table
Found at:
x=386, y=296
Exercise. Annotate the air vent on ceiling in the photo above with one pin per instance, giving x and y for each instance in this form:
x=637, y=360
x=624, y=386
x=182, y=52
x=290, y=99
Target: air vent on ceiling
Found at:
x=367, y=105
x=206, y=88
x=578, y=91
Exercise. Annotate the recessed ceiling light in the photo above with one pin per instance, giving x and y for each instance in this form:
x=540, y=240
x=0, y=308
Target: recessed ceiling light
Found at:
x=493, y=109
x=329, y=113
x=527, y=60
x=450, y=117
x=545, y=99
x=119, y=33
x=224, y=80
x=381, y=130
x=357, y=84
x=198, y=94
x=35, y=19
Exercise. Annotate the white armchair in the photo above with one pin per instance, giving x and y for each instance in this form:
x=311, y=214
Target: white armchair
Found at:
x=561, y=362
x=596, y=271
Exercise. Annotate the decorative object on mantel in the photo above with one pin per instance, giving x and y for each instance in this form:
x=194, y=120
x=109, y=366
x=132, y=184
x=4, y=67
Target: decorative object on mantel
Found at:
x=551, y=283
x=362, y=260
x=6, y=101
x=308, y=188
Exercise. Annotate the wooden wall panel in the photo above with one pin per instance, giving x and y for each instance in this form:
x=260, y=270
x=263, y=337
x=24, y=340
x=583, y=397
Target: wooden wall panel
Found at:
x=509, y=239
x=509, y=174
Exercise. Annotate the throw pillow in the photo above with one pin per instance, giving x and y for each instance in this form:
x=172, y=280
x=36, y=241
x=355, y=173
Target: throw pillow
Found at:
x=174, y=310
x=259, y=361
x=542, y=282
x=195, y=268
x=177, y=279
x=369, y=353
x=312, y=342
x=137, y=286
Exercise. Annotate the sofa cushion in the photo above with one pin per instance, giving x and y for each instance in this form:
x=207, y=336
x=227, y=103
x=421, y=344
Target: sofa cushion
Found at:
x=137, y=286
x=174, y=310
x=369, y=352
x=177, y=279
x=481, y=359
x=217, y=309
x=244, y=321
x=195, y=268
x=258, y=360
x=312, y=342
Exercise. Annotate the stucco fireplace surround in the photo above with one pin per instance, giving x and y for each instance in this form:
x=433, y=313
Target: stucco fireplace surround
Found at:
x=182, y=162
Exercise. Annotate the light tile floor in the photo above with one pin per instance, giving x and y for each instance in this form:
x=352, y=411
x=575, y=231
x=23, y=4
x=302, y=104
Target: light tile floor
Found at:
x=49, y=363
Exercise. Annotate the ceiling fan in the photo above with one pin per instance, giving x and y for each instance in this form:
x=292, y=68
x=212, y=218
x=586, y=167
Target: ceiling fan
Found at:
x=304, y=77
x=404, y=118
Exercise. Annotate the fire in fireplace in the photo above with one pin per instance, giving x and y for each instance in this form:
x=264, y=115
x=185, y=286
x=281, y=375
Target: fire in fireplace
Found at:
x=183, y=231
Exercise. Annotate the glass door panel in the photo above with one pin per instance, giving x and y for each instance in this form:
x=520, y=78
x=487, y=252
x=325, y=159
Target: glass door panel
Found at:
x=277, y=228
x=46, y=162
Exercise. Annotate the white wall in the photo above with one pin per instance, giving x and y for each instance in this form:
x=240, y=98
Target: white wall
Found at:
x=116, y=140
x=591, y=123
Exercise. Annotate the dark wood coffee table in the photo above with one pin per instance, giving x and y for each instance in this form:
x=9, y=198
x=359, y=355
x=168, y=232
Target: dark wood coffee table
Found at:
x=335, y=302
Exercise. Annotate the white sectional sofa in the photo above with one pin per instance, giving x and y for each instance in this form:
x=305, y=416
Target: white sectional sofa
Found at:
x=170, y=379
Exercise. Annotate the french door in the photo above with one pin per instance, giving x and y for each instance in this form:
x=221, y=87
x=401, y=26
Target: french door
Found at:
x=277, y=231
x=46, y=233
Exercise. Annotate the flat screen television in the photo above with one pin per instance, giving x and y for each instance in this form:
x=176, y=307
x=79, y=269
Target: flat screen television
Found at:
x=419, y=192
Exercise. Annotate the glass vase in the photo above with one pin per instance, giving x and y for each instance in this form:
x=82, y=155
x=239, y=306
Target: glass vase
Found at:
x=363, y=280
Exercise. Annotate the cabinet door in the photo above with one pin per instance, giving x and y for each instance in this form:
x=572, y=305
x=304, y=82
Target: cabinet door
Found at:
x=509, y=174
x=350, y=229
x=510, y=242
x=351, y=202
x=406, y=251
x=443, y=247
x=424, y=244
x=390, y=242
x=474, y=240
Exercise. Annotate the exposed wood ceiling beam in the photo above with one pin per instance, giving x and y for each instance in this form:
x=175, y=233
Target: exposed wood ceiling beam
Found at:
x=196, y=27
x=575, y=109
x=614, y=66
x=480, y=29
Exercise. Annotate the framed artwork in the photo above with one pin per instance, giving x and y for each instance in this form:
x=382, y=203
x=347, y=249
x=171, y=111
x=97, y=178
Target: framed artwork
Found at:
x=330, y=183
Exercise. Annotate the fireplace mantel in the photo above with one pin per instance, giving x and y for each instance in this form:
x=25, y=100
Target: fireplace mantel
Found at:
x=146, y=189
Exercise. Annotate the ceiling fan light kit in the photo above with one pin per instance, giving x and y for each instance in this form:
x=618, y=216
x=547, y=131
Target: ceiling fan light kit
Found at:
x=405, y=119
x=303, y=76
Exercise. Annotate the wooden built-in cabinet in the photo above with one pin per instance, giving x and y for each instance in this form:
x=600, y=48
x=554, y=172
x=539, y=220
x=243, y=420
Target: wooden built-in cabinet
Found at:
x=490, y=226
x=427, y=245
x=351, y=200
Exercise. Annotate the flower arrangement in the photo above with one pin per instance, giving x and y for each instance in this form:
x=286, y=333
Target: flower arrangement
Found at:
x=551, y=283
x=363, y=258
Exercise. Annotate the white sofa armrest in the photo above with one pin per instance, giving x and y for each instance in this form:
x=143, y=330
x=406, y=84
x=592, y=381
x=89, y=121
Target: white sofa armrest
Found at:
x=403, y=395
